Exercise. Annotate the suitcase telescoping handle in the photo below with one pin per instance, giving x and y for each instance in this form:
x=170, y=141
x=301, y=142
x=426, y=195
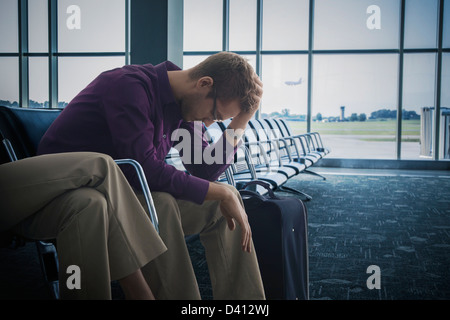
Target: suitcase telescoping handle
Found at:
x=256, y=194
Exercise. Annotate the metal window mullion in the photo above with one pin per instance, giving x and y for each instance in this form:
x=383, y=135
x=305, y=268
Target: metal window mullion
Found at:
x=127, y=31
x=23, y=54
x=259, y=30
x=437, y=116
x=310, y=64
x=226, y=26
x=53, y=50
x=400, y=81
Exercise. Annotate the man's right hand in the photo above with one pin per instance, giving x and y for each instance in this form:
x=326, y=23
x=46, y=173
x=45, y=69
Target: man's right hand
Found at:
x=239, y=122
x=232, y=210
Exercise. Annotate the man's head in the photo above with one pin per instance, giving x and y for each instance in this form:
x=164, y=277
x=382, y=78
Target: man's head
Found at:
x=219, y=88
x=233, y=78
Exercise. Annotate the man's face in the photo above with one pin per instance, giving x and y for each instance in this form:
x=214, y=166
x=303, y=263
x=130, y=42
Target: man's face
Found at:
x=207, y=108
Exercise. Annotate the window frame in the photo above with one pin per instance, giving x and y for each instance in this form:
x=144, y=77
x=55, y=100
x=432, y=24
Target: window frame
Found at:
x=52, y=53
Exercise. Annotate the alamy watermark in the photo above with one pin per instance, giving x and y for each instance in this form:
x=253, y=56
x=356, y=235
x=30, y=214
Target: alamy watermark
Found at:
x=74, y=280
x=374, y=280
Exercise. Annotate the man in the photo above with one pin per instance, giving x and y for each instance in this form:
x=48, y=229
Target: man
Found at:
x=135, y=112
x=84, y=201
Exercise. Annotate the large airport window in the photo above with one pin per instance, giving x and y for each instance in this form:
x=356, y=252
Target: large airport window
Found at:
x=341, y=76
x=44, y=42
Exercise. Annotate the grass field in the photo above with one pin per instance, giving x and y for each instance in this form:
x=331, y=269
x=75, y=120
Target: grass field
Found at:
x=370, y=130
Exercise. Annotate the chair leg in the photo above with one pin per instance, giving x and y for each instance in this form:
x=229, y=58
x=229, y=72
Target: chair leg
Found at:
x=314, y=174
x=294, y=191
x=48, y=259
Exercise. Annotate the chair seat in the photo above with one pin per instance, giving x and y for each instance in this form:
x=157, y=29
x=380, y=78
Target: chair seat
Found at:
x=297, y=166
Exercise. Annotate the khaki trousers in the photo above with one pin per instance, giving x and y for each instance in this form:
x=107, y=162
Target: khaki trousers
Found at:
x=84, y=201
x=234, y=274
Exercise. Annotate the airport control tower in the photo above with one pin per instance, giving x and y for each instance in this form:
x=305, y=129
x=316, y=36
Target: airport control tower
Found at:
x=342, y=113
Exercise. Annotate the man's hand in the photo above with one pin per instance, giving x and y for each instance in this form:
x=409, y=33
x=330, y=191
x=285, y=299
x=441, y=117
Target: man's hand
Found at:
x=239, y=122
x=233, y=211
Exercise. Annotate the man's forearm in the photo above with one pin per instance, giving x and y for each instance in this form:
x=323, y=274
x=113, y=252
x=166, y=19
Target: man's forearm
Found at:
x=236, y=129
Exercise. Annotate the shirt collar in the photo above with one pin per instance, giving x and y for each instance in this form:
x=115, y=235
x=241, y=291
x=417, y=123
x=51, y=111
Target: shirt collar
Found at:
x=165, y=90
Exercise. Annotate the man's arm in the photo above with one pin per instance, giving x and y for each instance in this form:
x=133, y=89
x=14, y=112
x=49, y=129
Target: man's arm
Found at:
x=230, y=205
x=132, y=132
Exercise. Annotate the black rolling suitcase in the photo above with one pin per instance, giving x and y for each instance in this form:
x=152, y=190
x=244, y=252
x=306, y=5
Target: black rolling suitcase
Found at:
x=279, y=229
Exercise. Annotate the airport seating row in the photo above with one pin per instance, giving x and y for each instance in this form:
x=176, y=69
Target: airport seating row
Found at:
x=272, y=153
x=269, y=152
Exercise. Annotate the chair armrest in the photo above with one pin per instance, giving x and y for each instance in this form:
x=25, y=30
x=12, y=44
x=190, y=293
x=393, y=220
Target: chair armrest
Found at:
x=9, y=149
x=145, y=189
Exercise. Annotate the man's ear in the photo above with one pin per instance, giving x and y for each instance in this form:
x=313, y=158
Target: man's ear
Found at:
x=205, y=81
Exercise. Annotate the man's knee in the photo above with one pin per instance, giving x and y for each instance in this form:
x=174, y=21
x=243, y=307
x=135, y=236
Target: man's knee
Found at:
x=86, y=199
x=102, y=161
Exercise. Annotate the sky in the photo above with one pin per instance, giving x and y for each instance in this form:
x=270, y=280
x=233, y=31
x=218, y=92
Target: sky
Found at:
x=362, y=83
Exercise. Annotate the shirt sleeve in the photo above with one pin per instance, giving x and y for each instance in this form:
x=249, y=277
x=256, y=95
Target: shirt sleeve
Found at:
x=129, y=118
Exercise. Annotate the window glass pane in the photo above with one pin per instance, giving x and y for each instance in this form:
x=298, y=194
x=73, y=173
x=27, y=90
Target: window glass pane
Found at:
x=355, y=104
x=9, y=86
x=421, y=23
x=356, y=24
x=419, y=77
x=444, y=147
x=446, y=39
x=38, y=26
x=91, y=26
x=285, y=86
x=203, y=25
x=192, y=61
x=251, y=58
x=9, y=22
x=242, y=25
x=38, y=73
x=285, y=24
x=72, y=78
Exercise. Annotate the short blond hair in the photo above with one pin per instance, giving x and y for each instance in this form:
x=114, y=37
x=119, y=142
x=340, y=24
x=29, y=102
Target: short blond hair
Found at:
x=232, y=75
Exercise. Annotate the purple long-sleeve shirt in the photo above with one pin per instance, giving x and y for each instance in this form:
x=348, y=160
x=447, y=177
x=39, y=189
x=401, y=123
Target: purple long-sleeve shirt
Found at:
x=130, y=112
